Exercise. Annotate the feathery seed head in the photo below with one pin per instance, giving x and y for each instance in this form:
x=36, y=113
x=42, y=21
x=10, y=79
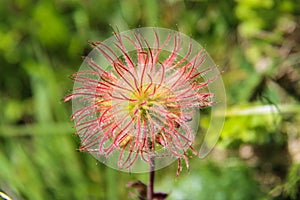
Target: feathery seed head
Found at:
x=137, y=97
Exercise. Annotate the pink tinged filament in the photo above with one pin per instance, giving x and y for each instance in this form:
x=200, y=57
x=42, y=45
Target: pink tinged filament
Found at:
x=144, y=103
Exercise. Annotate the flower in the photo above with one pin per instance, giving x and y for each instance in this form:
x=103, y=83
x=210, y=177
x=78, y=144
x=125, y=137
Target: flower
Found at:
x=137, y=98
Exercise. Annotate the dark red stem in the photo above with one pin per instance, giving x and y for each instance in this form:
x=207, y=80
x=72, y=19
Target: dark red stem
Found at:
x=150, y=190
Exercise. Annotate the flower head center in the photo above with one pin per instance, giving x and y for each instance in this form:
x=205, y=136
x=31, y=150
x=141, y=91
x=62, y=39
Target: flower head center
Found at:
x=145, y=98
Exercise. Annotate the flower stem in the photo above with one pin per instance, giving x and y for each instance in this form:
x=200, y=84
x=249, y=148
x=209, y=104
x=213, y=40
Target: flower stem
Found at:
x=151, y=180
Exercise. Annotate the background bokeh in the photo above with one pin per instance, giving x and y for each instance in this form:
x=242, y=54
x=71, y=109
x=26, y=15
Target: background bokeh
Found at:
x=256, y=45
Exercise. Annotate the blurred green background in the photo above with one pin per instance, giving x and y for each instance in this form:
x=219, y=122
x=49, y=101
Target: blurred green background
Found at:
x=256, y=44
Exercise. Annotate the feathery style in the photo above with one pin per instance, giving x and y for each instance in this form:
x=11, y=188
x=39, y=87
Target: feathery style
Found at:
x=139, y=101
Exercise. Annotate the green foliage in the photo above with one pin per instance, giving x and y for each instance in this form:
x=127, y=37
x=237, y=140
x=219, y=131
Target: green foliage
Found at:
x=250, y=127
x=293, y=181
x=231, y=180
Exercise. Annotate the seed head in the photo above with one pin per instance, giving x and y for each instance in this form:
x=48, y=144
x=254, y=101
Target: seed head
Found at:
x=137, y=98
